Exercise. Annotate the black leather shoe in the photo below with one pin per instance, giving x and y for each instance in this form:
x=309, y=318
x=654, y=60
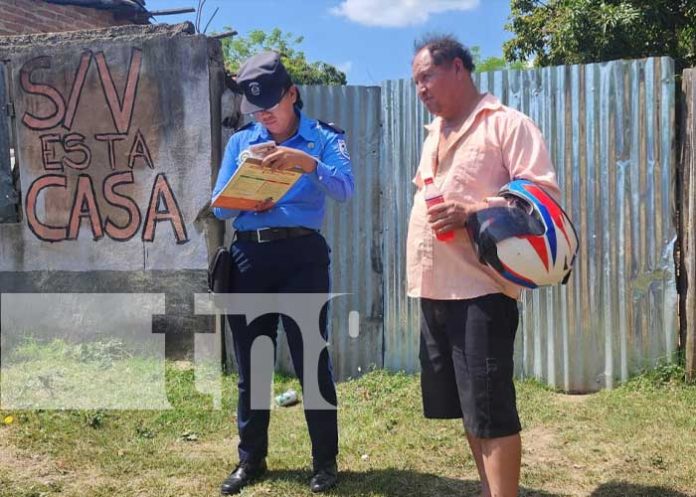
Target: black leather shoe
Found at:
x=243, y=474
x=324, y=478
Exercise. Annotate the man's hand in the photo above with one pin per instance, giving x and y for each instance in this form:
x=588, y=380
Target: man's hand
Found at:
x=290, y=158
x=451, y=215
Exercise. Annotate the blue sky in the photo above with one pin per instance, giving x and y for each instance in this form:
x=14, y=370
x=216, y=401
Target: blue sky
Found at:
x=370, y=40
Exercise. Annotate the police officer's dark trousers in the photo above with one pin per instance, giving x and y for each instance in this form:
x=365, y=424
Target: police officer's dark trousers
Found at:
x=286, y=266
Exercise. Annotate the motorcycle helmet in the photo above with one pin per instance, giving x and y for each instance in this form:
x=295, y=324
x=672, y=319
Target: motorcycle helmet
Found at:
x=531, y=243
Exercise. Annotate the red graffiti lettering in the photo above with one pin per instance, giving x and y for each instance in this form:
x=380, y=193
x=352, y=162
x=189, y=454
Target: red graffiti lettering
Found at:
x=30, y=120
x=111, y=139
x=85, y=205
x=41, y=230
x=121, y=111
x=121, y=108
x=122, y=201
x=76, y=91
x=161, y=191
x=140, y=150
x=48, y=152
x=75, y=143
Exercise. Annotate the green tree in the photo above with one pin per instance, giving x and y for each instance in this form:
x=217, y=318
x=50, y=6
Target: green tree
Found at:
x=493, y=63
x=581, y=31
x=237, y=49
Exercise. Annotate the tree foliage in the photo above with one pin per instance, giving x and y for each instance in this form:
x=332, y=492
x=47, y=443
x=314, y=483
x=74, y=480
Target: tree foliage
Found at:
x=558, y=32
x=238, y=49
x=492, y=63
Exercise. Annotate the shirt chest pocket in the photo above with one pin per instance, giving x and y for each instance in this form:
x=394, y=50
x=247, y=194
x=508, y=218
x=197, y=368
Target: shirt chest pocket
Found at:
x=474, y=167
x=465, y=169
x=315, y=148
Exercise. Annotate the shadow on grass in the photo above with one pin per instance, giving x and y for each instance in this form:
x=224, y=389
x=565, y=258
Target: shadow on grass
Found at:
x=392, y=482
x=621, y=489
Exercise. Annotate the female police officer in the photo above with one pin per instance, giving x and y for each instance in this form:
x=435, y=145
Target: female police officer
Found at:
x=278, y=249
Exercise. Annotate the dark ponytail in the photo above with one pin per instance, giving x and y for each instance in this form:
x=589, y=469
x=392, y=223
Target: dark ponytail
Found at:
x=298, y=103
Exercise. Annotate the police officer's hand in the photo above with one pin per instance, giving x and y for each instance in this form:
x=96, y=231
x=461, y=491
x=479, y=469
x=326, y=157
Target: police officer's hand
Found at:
x=290, y=158
x=451, y=215
x=264, y=205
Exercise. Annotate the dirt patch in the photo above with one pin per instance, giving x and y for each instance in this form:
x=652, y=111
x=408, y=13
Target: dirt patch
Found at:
x=23, y=469
x=221, y=450
x=23, y=466
x=192, y=485
x=183, y=365
x=573, y=398
x=543, y=451
x=539, y=445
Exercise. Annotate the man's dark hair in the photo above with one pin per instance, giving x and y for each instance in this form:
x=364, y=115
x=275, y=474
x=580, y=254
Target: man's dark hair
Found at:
x=444, y=49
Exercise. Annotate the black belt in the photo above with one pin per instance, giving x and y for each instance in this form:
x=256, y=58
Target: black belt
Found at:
x=272, y=234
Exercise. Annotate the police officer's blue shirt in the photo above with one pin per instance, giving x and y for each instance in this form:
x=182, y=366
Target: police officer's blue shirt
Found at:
x=303, y=205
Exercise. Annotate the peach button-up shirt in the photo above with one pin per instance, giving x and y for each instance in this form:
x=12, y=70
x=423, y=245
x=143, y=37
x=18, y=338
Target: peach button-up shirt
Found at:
x=493, y=146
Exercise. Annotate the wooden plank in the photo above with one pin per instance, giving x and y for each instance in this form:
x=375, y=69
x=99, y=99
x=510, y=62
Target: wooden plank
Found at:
x=688, y=218
x=8, y=196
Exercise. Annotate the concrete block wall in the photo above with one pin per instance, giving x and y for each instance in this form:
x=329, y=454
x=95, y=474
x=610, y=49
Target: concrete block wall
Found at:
x=117, y=141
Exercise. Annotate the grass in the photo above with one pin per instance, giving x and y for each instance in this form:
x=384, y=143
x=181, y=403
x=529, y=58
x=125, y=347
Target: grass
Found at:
x=57, y=375
x=638, y=440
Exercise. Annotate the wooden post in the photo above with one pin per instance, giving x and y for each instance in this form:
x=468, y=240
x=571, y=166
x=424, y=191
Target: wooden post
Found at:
x=688, y=219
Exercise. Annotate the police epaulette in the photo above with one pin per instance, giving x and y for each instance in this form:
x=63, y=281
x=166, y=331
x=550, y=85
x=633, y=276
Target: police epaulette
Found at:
x=246, y=126
x=331, y=126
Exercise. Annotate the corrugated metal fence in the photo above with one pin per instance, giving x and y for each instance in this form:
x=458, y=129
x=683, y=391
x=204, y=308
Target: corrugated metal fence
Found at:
x=610, y=130
x=354, y=229
x=404, y=133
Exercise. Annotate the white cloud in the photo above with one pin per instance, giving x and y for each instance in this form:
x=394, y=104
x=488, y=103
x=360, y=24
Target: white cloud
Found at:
x=397, y=13
x=345, y=66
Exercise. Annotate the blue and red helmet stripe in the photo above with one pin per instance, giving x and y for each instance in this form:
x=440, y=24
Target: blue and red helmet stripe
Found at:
x=544, y=204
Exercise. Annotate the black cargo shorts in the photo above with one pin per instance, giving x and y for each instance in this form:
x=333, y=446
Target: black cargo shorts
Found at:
x=466, y=350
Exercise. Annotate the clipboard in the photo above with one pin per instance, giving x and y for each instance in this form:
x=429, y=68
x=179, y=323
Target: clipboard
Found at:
x=252, y=183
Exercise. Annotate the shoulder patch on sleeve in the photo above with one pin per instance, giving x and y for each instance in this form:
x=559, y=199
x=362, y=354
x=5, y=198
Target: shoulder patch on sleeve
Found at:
x=343, y=148
x=331, y=126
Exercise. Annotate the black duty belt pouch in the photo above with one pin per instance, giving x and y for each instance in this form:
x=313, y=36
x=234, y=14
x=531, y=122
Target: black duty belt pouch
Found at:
x=220, y=271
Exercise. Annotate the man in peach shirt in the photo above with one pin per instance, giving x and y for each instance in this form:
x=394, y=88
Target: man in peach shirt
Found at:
x=475, y=146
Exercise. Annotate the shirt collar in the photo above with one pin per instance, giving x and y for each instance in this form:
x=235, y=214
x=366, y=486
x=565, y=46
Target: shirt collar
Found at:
x=307, y=127
x=487, y=102
x=259, y=134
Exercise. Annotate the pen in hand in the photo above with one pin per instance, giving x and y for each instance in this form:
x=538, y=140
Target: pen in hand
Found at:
x=286, y=158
